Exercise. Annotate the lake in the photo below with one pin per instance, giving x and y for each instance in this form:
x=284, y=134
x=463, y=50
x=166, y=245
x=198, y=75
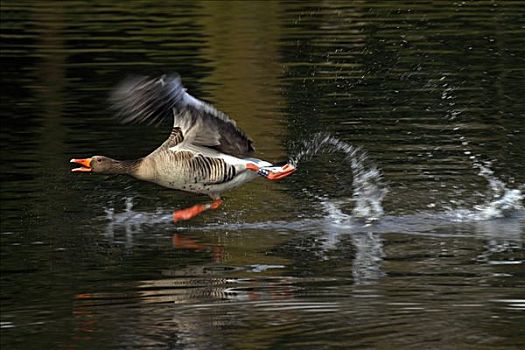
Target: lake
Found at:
x=403, y=227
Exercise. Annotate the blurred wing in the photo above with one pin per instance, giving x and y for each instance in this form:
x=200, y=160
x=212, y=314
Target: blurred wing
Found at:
x=151, y=100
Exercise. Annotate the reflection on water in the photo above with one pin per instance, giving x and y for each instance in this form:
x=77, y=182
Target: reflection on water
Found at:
x=424, y=99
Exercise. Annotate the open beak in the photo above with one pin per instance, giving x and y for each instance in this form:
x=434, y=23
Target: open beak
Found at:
x=86, y=165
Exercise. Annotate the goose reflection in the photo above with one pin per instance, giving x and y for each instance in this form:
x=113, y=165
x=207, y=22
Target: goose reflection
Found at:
x=187, y=303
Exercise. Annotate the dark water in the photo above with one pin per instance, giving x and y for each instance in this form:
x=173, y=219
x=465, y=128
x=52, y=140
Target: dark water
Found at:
x=405, y=230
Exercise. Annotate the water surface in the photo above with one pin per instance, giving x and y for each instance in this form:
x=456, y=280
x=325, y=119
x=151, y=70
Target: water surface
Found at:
x=402, y=228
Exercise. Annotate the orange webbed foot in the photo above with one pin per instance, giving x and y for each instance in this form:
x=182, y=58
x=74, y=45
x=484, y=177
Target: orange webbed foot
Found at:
x=272, y=173
x=285, y=171
x=189, y=213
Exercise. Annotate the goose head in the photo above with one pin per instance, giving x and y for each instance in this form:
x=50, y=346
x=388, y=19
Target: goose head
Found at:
x=97, y=164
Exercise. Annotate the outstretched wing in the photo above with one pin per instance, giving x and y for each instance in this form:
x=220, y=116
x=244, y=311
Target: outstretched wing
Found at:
x=150, y=100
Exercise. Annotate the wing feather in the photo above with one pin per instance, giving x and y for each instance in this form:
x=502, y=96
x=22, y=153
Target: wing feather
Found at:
x=151, y=100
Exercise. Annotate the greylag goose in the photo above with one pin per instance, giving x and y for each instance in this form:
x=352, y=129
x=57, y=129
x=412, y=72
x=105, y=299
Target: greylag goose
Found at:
x=205, y=153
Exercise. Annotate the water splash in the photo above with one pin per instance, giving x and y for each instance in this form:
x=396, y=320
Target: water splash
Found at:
x=501, y=201
x=129, y=215
x=368, y=189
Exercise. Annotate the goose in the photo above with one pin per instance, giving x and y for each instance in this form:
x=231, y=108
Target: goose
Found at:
x=205, y=153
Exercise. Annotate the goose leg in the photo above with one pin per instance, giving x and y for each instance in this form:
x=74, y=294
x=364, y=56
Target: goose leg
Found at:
x=272, y=173
x=191, y=212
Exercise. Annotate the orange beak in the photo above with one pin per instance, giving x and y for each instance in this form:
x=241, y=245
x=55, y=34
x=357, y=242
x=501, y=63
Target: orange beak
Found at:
x=85, y=162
